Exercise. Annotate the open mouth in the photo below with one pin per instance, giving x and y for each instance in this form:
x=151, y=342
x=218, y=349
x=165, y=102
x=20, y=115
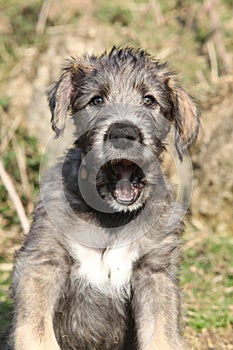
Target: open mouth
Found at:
x=126, y=180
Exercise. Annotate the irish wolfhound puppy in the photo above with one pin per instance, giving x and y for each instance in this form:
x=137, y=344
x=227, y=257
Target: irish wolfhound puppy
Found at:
x=98, y=267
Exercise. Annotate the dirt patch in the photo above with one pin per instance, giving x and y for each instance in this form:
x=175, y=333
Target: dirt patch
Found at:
x=213, y=164
x=216, y=339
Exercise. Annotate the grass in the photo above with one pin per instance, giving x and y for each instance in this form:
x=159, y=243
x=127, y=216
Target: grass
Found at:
x=5, y=301
x=207, y=278
x=32, y=161
x=22, y=17
x=113, y=13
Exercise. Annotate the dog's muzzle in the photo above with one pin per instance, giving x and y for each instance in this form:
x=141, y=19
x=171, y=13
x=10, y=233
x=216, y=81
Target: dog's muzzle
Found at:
x=125, y=178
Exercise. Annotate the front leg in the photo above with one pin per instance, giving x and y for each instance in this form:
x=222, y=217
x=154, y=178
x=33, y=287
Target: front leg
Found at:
x=36, y=287
x=156, y=304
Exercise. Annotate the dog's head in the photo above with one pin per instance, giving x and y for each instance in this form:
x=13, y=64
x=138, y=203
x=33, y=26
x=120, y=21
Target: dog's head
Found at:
x=123, y=104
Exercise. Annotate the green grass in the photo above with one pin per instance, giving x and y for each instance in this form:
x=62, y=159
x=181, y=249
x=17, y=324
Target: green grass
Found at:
x=5, y=301
x=32, y=157
x=112, y=13
x=207, y=278
x=21, y=18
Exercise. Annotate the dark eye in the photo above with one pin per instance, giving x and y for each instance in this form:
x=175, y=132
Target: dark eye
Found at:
x=149, y=100
x=97, y=100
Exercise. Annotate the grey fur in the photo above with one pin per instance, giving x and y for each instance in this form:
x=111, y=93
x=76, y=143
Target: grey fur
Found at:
x=51, y=296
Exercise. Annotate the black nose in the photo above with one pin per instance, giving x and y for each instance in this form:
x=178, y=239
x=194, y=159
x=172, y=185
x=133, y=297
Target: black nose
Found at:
x=121, y=135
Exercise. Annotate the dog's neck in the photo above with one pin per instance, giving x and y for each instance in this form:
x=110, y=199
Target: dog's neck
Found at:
x=117, y=219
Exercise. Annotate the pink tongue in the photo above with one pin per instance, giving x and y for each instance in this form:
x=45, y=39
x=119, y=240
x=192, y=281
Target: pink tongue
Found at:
x=124, y=190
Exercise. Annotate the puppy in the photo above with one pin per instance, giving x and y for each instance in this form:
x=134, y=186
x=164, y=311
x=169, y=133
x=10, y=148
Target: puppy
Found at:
x=98, y=269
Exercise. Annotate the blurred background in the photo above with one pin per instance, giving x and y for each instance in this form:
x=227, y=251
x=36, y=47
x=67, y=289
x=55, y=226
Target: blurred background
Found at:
x=195, y=37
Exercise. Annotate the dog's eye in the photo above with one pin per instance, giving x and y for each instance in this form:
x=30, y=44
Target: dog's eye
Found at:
x=97, y=100
x=149, y=100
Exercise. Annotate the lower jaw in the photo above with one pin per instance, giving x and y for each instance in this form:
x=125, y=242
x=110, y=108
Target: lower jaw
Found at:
x=126, y=203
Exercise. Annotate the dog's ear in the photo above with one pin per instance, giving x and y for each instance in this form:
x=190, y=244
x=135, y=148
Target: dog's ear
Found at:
x=186, y=118
x=60, y=94
x=59, y=97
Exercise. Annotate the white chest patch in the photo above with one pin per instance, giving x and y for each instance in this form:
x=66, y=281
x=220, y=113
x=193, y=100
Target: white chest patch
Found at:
x=110, y=271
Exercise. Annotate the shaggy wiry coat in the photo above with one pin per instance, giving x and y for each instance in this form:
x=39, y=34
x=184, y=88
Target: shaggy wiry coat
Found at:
x=98, y=269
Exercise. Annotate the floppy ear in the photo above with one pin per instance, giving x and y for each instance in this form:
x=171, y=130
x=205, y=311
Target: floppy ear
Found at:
x=61, y=93
x=186, y=118
x=59, y=97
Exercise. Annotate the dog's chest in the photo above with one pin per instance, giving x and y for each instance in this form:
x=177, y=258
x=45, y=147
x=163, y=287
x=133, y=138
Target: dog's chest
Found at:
x=107, y=270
